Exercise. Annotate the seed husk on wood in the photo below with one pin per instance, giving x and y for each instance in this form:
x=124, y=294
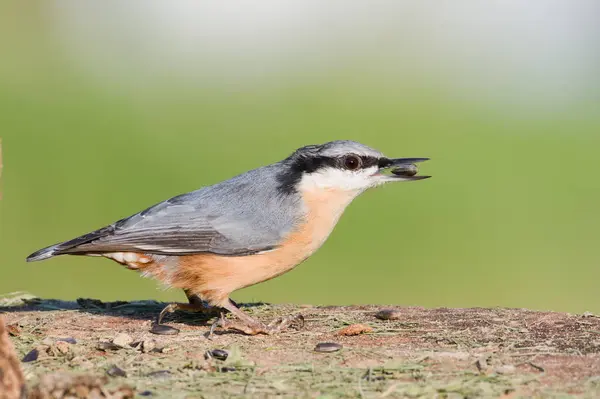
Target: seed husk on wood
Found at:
x=108, y=346
x=31, y=356
x=163, y=329
x=68, y=340
x=115, y=371
x=327, y=347
x=218, y=354
x=159, y=374
x=388, y=314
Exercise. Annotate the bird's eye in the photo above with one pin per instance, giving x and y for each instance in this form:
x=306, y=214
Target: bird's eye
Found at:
x=352, y=162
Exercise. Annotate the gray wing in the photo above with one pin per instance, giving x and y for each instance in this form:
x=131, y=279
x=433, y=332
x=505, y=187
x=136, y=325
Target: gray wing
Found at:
x=181, y=229
x=241, y=216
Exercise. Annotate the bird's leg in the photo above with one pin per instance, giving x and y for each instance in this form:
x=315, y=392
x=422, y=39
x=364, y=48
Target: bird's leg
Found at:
x=250, y=326
x=195, y=305
x=196, y=300
x=193, y=299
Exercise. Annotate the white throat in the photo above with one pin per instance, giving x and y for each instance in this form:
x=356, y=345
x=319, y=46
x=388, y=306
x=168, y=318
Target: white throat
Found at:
x=338, y=179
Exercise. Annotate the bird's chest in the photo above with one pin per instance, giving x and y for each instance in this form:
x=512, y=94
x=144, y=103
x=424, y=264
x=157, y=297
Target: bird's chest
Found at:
x=323, y=209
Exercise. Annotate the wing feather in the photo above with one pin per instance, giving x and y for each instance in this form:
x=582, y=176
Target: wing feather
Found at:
x=234, y=217
x=186, y=237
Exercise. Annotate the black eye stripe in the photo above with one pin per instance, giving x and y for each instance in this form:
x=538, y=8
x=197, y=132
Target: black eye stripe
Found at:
x=369, y=162
x=384, y=162
x=297, y=165
x=311, y=164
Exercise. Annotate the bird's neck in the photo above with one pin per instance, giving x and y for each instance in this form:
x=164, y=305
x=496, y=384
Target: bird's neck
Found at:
x=323, y=208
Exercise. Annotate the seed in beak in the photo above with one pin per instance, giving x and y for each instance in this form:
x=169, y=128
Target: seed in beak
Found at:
x=406, y=170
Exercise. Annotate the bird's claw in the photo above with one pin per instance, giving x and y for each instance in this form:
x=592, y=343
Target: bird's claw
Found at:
x=170, y=308
x=161, y=329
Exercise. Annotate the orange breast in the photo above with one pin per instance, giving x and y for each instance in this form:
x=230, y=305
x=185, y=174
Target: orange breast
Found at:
x=214, y=277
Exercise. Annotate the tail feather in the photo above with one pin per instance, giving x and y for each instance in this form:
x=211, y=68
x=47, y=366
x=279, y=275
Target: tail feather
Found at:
x=42, y=254
x=71, y=246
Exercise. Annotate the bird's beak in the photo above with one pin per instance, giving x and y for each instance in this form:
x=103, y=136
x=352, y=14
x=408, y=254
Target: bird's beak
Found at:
x=402, y=169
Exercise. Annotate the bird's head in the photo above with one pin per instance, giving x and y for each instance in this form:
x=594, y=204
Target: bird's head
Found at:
x=345, y=165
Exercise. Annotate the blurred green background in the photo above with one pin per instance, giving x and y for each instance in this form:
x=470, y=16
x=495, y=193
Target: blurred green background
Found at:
x=107, y=108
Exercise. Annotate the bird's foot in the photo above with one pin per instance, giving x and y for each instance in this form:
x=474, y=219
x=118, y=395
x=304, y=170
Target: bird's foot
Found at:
x=255, y=327
x=161, y=329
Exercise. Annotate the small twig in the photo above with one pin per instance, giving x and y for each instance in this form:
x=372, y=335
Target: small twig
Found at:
x=360, y=389
x=535, y=354
x=535, y=366
x=394, y=331
x=531, y=364
x=248, y=382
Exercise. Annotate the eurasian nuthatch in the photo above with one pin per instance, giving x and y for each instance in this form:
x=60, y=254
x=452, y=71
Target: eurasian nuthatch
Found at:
x=245, y=230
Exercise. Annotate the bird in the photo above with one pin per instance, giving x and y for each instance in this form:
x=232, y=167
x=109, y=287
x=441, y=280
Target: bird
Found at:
x=243, y=231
